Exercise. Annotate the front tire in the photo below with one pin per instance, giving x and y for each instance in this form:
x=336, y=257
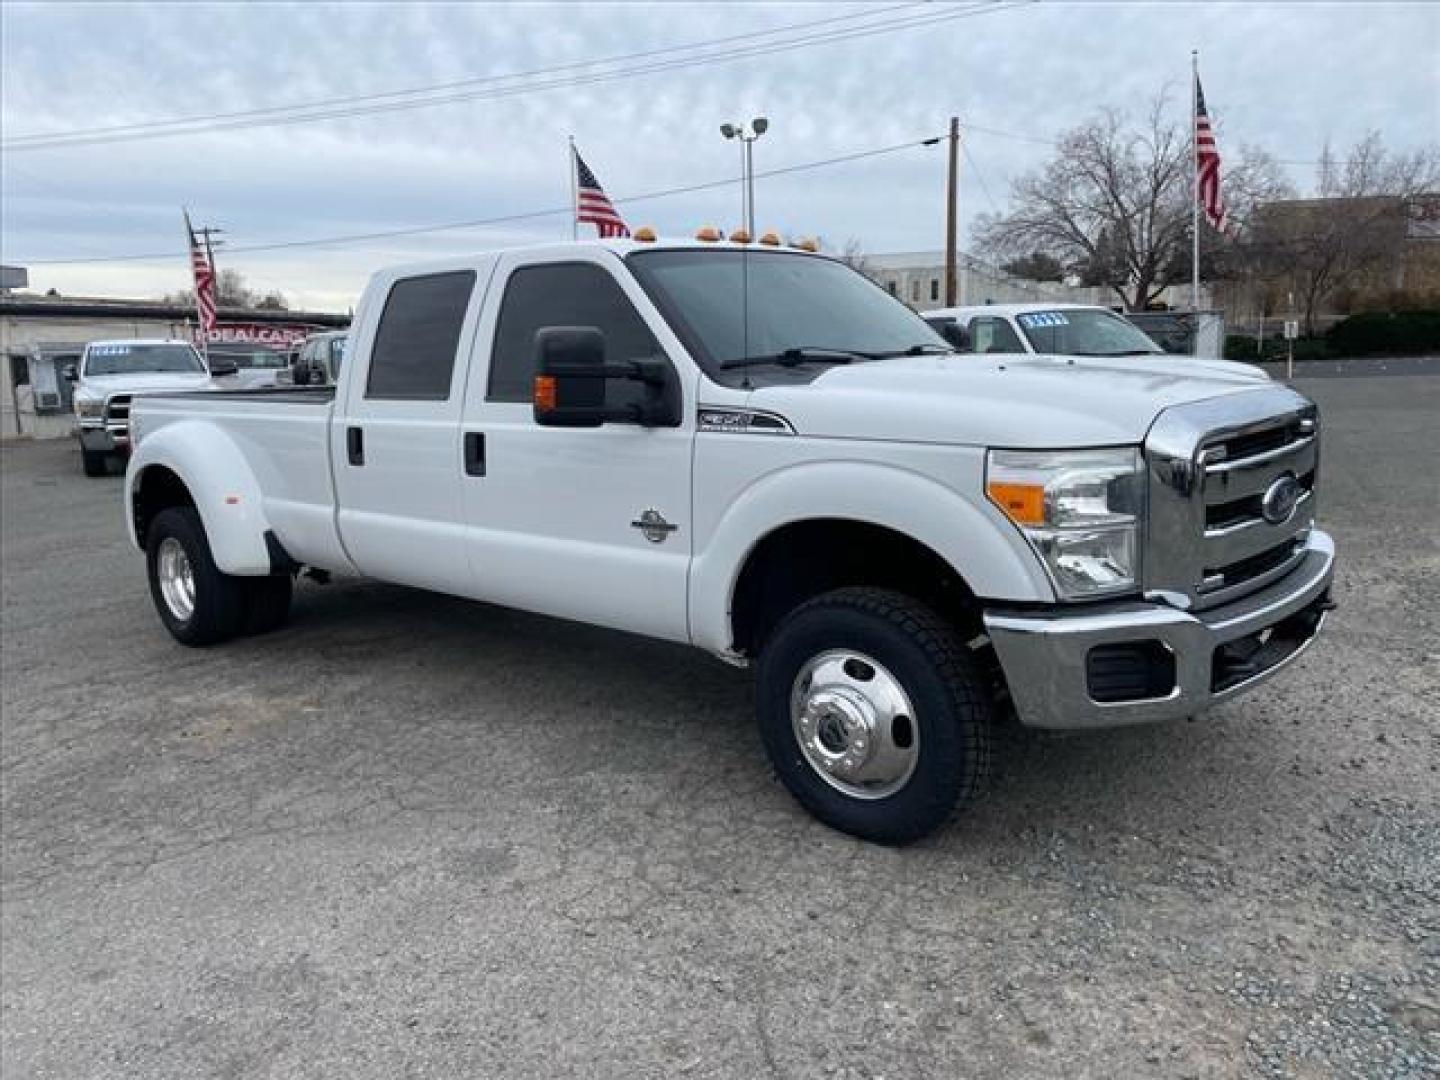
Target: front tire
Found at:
x=94, y=462
x=198, y=603
x=873, y=713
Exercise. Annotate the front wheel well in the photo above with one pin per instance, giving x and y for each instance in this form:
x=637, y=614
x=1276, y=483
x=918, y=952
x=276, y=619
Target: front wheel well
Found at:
x=798, y=562
x=156, y=489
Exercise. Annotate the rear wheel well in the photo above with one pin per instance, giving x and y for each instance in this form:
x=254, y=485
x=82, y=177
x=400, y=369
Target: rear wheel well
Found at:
x=800, y=561
x=156, y=489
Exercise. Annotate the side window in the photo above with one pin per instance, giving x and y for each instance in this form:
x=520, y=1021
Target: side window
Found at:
x=414, y=352
x=994, y=336
x=564, y=294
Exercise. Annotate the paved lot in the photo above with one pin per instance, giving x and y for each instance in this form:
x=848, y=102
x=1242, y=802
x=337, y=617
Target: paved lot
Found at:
x=408, y=836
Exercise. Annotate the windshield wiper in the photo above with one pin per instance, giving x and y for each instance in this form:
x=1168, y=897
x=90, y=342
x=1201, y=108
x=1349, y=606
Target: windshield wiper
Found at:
x=1126, y=352
x=927, y=348
x=803, y=354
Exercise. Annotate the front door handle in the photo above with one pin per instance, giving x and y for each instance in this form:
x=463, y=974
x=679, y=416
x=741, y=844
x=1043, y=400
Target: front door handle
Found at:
x=474, y=453
x=355, y=445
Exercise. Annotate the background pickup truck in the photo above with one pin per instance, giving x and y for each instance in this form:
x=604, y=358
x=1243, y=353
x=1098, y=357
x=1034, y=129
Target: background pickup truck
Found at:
x=758, y=452
x=110, y=373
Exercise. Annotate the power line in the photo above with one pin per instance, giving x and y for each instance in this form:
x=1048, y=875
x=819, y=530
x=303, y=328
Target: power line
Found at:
x=504, y=219
x=975, y=168
x=456, y=84
x=219, y=123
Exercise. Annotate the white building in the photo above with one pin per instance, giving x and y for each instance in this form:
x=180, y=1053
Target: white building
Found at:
x=918, y=278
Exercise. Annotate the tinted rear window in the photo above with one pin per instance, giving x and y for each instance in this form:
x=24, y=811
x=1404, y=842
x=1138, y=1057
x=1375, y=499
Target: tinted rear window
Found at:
x=414, y=354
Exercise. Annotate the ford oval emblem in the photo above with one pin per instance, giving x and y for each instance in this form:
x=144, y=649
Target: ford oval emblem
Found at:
x=1278, y=503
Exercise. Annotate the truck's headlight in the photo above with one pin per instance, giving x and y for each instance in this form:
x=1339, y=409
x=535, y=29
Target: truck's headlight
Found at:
x=1079, y=509
x=85, y=406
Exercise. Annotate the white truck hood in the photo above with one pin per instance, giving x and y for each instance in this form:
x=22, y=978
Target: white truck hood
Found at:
x=1039, y=402
x=105, y=385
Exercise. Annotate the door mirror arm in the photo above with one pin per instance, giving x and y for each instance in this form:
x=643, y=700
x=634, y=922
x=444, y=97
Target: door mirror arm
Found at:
x=571, y=374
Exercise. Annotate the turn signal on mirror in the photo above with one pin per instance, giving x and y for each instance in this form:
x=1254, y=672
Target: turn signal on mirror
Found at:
x=544, y=393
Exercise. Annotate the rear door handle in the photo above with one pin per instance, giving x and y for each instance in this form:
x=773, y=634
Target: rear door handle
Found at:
x=355, y=445
x=474, y=453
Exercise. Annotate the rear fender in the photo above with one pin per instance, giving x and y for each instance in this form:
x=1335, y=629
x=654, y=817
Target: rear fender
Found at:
x=222, y=485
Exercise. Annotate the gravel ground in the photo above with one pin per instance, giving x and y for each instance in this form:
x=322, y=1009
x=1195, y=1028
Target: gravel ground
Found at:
x=409, y=836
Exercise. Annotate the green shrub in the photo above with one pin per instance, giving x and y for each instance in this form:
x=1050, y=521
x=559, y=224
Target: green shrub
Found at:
x=1402, y=332
x=1241, y=347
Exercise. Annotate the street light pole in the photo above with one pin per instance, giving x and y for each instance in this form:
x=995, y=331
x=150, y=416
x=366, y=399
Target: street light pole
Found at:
x=747, y=134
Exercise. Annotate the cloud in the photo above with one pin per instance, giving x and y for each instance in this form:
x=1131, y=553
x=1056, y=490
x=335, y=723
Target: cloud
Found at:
x=1281, y=76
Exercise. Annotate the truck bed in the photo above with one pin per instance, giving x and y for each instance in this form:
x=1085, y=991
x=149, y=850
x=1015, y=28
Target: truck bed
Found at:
x=283, y=436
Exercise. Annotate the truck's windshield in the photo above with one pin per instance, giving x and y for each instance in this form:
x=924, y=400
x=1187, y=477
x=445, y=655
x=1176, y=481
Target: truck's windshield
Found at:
x=1081, y=332
x=733, y=306
x=124, y=358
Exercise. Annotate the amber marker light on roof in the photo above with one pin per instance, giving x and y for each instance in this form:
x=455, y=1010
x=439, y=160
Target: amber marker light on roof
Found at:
x=644, y=234
x=770, y=240
x=739, y=236
x=806, y=244
x=708, y=233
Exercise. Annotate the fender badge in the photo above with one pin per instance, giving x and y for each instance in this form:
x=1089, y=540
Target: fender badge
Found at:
x=653, y=525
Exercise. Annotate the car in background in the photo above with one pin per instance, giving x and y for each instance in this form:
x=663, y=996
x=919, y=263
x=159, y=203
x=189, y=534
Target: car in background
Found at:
x=110, y=373
x=317, y=362
x=1060, y=330
x=256, y=365
x=1173, y=331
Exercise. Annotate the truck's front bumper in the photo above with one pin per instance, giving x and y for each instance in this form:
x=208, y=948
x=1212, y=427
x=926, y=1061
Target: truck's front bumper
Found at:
x=104, y=438
x=1133, y=662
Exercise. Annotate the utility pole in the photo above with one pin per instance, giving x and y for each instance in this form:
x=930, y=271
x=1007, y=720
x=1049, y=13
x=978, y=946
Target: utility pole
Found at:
x=952, y=198
x=205, y=234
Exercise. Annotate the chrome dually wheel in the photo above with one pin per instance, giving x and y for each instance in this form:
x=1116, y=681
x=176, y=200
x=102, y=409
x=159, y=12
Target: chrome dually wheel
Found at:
x=176, y=578
x=855, y=724
x=197, y=602
x=873, y=713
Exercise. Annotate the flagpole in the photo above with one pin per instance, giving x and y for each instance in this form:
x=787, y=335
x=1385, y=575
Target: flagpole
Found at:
x=195, y=285
x=1195, y=189
x=574, y=195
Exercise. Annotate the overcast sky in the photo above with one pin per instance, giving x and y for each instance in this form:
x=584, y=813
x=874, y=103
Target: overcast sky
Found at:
x=1285, y=76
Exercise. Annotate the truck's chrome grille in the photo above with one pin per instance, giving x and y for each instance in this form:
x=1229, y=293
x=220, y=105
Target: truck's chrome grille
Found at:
x=117, y=415
x=1232, y=494
x=1225, y=515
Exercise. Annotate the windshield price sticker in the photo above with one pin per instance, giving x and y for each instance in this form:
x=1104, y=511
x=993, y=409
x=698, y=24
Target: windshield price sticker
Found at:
x=109, y=350
x=1039, y=319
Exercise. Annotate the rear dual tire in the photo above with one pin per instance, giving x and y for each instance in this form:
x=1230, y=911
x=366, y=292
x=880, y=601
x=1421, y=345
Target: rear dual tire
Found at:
x=874, y=714
x=198, y=602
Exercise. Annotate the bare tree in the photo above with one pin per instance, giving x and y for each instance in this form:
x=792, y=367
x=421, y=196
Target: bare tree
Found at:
x=851, y=253
x=1344, y=240
x=1036, y=266
x=1113, y=204
x=231, y=291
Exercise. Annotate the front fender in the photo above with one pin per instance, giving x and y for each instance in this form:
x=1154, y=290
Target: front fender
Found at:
x=220, y=481
x=977, y=542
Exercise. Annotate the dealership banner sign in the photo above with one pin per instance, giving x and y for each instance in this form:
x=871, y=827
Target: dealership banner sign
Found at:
x=275, y=336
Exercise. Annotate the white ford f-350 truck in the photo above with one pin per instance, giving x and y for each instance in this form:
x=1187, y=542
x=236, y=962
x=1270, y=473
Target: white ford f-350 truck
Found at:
x=757, y=451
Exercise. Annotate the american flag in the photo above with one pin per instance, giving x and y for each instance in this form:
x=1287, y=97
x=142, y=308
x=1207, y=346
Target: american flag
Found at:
x=593, y=205
x=1207, y=164
x=204, y=275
